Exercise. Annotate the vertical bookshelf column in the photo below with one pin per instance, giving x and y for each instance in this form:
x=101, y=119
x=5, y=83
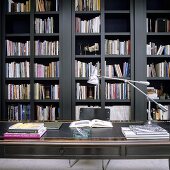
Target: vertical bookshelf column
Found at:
x=46, y=60
x=118, y=57
x=66, y=54
x=102, y=41
x=158, y=55
x=16, y=60
x=86, y=54
x=1, y=58
x=140, y=59
x=32, y=59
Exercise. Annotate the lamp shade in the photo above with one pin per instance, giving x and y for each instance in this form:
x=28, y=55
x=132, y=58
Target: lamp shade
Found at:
x=93, y=79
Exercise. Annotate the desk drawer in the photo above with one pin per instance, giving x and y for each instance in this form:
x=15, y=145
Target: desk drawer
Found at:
x=60, y=151
x=148, y=151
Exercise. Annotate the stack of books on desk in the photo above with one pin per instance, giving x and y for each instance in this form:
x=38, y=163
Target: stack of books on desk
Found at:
x=25, y=130
x=145, y=132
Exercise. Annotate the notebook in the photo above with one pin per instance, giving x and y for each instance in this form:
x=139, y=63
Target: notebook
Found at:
x=53, y=125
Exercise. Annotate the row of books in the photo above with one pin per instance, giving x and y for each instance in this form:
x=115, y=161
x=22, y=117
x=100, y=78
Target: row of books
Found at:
x=158, y=25
x=84, y=69
x=117, y=47
x=44, y=26
x=87, y=5
x=47, y=5
x=45, y=113
x=46, y=92
x=84, y=92
x=117, y=70
x=145, y=132
x=158, y=70
x=18, y=91
x=46, y=47
x=152, y=92
x=117, y=91
x=17, y=48
x=50, y=70
x=23, y=49
x=18, y=70
x=158, y=114
x=87, y=26
x=19, y=112
x=22, y=69
x=18, y=6
x=153, y=49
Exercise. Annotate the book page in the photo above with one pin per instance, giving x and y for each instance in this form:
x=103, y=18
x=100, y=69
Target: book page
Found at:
x=81, y=123
x=101, y=123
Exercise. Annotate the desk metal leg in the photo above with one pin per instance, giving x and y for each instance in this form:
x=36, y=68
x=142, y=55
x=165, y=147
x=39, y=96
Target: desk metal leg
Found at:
x=73, y=162
x=104, y=166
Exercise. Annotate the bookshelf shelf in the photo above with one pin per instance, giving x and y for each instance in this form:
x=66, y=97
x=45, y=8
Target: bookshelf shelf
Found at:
x=88, y=101
x=18, y=35
x=118, y=101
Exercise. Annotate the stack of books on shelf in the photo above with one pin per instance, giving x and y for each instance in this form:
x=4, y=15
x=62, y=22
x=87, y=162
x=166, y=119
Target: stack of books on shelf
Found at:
x=145, y=132
x=25, y=130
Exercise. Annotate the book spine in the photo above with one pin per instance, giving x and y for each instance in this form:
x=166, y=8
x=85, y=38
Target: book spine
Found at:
x=12, y=136
x=22, y=131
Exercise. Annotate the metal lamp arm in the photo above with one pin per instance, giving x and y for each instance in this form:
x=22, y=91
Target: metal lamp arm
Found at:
x=149, y=98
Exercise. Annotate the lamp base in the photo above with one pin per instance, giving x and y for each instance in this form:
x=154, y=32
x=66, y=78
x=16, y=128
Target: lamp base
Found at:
x=150, y=123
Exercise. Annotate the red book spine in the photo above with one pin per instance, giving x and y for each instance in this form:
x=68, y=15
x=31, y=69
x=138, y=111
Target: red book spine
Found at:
x=8, y=135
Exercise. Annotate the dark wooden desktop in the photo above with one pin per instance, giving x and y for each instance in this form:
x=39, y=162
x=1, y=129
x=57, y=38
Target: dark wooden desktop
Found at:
x=103, y=143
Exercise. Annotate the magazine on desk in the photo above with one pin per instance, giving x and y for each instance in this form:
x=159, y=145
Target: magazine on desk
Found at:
x=91, y=123
x=130, y=134
x=148, y=129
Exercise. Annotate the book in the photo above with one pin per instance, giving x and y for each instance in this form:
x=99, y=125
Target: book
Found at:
x=24, y=135
x=91, y=123
x=25, y=127
x=130, y=134
x=53, y=125
x=161, y=25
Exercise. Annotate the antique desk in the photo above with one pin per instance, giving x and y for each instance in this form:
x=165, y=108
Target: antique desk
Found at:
x=103, y=143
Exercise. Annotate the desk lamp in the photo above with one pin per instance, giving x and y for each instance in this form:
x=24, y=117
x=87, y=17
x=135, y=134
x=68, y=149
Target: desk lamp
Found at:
x=94, y=79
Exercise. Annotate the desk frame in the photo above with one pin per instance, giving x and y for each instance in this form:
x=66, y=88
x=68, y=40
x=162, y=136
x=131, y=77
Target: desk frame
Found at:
x=85, y=149
x=103, y=144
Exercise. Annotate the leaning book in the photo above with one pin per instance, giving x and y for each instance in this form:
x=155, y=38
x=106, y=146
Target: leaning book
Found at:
x=25, y=135
x=91, y=123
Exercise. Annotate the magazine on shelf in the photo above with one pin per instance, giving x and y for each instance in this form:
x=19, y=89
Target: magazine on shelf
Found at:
x=91, y=123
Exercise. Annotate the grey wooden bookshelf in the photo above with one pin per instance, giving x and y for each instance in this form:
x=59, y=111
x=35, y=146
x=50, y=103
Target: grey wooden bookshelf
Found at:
x=121, y=20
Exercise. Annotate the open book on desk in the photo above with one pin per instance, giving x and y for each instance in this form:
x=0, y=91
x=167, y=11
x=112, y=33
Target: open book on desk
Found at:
x=91, y=123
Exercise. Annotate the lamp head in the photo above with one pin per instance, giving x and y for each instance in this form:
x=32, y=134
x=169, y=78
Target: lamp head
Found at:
x=93, y=79
x=163, y=108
